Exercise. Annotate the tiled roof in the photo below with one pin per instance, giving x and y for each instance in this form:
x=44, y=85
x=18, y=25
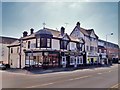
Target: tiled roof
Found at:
x=55, y=33
x=84, y=31
x=7, y=40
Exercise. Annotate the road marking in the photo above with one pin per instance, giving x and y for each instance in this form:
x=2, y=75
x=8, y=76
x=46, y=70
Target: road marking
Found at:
x=58, y=81
x=99, y=73
x=40, y=85
x=116, y=86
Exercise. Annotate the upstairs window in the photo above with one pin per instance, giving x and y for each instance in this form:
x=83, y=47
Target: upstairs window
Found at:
x=63, y=44
x=11, y=50
x=38, y=42
x=45, y=42
x=28, y=44
x=48, y=42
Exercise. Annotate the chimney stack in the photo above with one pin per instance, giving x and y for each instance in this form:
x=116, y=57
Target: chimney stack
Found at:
x=25, y=33
x=31, y=31
x=62, y=31
x=78, y=24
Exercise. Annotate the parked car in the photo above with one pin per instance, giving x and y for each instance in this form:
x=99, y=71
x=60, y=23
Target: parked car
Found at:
x=2, y=66
x=118, y=61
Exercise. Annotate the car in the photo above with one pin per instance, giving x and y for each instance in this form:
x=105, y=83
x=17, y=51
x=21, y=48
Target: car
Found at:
x=118, y=61
x=2, y=66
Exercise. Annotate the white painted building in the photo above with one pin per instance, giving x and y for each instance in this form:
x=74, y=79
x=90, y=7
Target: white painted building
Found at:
x=91, y=43
x=46, y=47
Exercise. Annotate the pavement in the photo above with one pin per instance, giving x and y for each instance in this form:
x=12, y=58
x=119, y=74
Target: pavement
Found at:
x=52, y=70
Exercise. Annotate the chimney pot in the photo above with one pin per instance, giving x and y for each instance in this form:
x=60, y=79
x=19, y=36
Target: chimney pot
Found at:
x=31, y=31
x=62, y=31
x=25, y=33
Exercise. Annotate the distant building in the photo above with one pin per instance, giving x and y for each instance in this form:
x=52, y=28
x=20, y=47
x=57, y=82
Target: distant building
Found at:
x=4, y=42
x=46, y=47
x=91, y=43
x=108, y=50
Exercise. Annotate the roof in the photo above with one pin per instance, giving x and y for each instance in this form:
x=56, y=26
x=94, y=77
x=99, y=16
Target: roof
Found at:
x=55, y=33
x=43, y=31
x=7, y=40
x=74, y=39
x=86, y=32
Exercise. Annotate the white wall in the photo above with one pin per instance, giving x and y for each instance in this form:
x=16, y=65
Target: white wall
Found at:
x=4, y=53
x=55, y=44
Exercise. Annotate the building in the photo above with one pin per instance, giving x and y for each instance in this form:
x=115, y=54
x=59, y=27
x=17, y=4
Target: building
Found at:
x=91, y=43
x=108, y=50
x=4, y=42
x=46, y=48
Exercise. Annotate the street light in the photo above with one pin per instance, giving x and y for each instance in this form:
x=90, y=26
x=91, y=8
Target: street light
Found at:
x=106, y=46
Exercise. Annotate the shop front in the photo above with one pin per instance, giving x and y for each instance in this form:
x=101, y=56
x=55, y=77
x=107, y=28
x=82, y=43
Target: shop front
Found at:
x=42, y=59
x=92, y=58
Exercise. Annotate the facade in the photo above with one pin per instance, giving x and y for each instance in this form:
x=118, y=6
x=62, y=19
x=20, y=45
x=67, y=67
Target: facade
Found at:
x=46, y=48
x=108, y=50
x=91, y=43
x=4, y=42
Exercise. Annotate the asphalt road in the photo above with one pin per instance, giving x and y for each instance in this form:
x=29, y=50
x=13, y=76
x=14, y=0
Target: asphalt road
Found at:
x=105, y=77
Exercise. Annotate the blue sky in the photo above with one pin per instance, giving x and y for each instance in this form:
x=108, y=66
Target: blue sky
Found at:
x=20, y=16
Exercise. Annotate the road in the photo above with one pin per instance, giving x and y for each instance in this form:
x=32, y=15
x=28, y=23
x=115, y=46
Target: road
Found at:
x=104, y=77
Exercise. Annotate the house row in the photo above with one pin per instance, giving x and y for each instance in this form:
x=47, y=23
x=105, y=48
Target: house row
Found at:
x=53, y=48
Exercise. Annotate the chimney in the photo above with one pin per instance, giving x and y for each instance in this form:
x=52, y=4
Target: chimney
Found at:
x=62, y=31
x=31, y=31
x=78, y=24
x=25, y=33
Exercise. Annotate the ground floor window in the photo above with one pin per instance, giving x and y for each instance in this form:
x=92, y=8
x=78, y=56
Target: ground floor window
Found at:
x=42, y=59
x=72, y=60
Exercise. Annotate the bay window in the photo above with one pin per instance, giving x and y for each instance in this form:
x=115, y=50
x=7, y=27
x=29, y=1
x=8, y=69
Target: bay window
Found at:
x=43, y=42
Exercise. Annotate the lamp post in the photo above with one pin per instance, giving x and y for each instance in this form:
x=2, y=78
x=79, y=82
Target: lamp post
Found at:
x=107, y=45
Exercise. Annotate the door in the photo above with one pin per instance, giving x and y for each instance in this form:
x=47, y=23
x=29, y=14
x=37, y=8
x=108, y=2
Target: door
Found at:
x=64, y=61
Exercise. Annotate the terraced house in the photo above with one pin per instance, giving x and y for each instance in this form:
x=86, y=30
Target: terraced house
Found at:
x=46, y=47
x=91, y=43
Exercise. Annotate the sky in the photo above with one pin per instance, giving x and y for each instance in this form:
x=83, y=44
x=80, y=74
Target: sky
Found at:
x=21, y=16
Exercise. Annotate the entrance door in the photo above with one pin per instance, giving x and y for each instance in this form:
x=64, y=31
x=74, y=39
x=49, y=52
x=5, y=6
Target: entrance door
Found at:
x=92, y=61
x=64, y=61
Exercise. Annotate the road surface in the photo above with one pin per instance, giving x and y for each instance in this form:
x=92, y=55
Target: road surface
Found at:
x=102, y=77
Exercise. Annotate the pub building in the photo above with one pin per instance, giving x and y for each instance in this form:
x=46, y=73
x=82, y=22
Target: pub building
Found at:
x=46, y=48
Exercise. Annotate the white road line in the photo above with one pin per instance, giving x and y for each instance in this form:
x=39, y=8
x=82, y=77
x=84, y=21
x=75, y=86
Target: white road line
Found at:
x=40, y=85
x=99, y=73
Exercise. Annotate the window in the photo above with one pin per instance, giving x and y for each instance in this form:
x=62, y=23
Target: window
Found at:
x=63, y=44
x=71, y=60
x=81, y=60
x=45, y=42
x=87, y=48
x=38, y=42
x=17, y=49
x=48, y=42
x=91, y=48
x=11, y=50
x=28, y=44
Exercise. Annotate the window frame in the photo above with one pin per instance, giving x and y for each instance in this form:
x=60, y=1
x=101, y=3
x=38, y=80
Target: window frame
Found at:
x=45, y=42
